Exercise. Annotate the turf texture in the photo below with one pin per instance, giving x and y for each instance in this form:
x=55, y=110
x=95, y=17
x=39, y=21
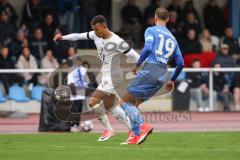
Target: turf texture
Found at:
x=84, y=146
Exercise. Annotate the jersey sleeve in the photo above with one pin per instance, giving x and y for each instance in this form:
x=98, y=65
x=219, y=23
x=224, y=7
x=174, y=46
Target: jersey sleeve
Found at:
x=177, y=55
x=149, y=39
x=123, y=46
x=80, y=36
x=91, y=35
x=148, y=36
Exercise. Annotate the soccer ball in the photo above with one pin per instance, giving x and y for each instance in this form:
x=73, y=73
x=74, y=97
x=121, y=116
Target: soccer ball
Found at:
x=63, y=93
x=87, y=126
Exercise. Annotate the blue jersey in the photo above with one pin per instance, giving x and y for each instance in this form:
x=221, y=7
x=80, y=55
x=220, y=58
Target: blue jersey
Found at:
x=159, y=46
x=163, y=45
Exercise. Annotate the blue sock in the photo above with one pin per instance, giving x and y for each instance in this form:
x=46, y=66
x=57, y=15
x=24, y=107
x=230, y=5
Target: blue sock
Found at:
x=135, y=117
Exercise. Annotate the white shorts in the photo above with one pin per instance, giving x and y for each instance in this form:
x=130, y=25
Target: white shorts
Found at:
x=110, y=83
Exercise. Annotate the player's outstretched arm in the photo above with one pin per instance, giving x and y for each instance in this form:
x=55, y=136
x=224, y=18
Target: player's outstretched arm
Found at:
x=72, y=37
x=132, y=53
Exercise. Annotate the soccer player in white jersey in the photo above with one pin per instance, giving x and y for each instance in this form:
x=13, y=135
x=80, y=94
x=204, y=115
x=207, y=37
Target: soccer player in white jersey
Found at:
x=108, y=45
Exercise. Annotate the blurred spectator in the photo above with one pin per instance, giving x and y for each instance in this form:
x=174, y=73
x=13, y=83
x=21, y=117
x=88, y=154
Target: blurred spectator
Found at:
x=104, y=7
x=71, y=52
x=32, y=14
x=49, y=27
x=175, y=6
x=48, y=62
x=191, y=23
x=236, y=91
x=206, y=41
x=131, y=14
x=191, y=44
x=198, y=85
x=51, y=7
x=221, y=88
x=224, y=59
x=226, y=14
x=7, y=63
x=77, y=79
x=67, y=9
x=213, y=18
x=60, y=47
x=149, y=12
x=6, y=6
x=132, y=19
x=173, y=25
x=189, y=8
x=88, y=11
x=18, y=43
x=92, y=79
x=24, y=28
x=7, y=29
x=27, y=61
x=38, y=44
x=233, y=43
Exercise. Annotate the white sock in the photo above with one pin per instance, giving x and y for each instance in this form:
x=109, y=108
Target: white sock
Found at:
x=121, y=116
x=102, y=117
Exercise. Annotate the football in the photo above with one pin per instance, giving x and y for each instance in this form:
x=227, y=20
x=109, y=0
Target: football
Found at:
x=63, y=93
x=87, y=126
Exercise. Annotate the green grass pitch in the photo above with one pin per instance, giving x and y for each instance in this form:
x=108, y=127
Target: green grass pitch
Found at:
x=84, y=146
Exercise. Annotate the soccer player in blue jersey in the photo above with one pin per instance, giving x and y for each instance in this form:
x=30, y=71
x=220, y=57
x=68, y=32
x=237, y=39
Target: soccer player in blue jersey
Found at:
x=160, y=44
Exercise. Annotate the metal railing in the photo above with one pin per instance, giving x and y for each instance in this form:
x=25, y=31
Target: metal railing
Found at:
x=209, y=70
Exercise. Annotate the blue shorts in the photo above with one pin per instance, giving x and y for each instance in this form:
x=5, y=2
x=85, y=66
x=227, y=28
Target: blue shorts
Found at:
x=147, y=81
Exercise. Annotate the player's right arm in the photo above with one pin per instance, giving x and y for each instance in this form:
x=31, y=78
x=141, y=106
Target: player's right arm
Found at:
x=75, y=36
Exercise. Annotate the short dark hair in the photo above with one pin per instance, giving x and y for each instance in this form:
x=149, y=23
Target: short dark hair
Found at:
x=195, y=60
x=162, y=13
x=86, y=63
x=98, y=19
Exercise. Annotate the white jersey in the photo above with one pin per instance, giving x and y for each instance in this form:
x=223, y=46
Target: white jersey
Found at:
x=108, y=51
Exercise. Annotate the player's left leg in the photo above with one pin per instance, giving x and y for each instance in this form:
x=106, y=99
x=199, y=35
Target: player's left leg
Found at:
x=141, y=88
x=94, y=103
x=140, y=130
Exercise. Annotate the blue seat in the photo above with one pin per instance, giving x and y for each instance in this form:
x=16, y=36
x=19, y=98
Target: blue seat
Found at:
x=18, y=94
x=2, y=98
x=37, y=92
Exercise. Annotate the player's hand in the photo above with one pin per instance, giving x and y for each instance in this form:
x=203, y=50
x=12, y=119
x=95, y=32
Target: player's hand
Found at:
x=170, y=86
x=58, y=37
x=134, y=69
